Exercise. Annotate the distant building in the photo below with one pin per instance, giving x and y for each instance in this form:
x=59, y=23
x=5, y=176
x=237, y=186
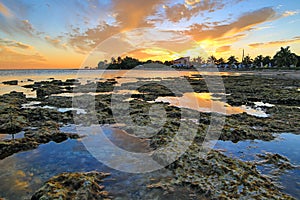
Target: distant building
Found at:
x=182, y=62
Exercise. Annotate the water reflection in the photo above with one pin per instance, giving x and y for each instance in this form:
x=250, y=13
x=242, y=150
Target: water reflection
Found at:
x=11, y=136
x=23, y=173
x=204, y=102
x=26, y=77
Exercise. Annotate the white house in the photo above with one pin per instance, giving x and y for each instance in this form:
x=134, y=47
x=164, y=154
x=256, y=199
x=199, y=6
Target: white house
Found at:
x=182, y=62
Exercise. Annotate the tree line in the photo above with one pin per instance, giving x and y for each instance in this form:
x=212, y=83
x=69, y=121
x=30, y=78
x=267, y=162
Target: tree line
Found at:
x=282, y=58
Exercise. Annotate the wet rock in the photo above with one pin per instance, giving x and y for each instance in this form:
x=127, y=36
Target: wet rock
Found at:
x=59, y=102
x=77, y=186
x=107, y=86
x=48, y=90
x=217, y=176
x=10, y=147
x=47, y=131
x=72, y=82
x=11, y=119
x=280, y=163
x=11, y=123
x=249, y=88
x=31, y=141
x=13, y=82
x=14, y=98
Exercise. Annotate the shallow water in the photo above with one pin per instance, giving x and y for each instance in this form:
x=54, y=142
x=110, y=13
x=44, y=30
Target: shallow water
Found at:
x=11, y=136
x=23, y=173
x=285, y=144
x=122, y=76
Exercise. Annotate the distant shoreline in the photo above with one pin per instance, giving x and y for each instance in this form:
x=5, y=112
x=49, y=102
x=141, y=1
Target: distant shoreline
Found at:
x=274, y=72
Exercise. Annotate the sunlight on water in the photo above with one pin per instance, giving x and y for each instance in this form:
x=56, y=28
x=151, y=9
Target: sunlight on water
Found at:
x=26, y=77
x=204, y=102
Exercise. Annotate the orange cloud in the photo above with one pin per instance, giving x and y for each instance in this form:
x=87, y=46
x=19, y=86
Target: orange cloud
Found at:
x=129, y=14
x=153, y=54
x=223, y=49
x=182, y=11
x=244, y=23
x=275, y=43
x=231, y=39
x=12, y=43
x=4, y=11
x=55, y=42
x=133, y=13
x=86, y=41
x=14, y=59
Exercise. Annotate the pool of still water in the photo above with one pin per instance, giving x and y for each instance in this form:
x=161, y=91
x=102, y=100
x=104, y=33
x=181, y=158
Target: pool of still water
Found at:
x=23, y=173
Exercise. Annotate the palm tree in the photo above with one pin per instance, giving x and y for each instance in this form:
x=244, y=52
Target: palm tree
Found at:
x=220, y=61
x=113, y=60
x=247, y=61
x=285, y=58
x=258, y=61
x=268, y=61
x=212, y=59
x=232, y=60
x=119, y=60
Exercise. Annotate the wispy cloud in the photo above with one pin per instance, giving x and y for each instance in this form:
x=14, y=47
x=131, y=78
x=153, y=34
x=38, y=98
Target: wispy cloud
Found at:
x=15, y=26
x=10, y=58
x=245, y=23
x=275, y=43
x=56, y=42
x=223, y=49
x=191, y=8
x=4, y=10
x=12, y=43
x=289, y=13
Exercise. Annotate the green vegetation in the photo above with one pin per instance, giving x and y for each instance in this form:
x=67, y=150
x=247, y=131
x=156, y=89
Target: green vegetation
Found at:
x=283, y=58
x=127, y=63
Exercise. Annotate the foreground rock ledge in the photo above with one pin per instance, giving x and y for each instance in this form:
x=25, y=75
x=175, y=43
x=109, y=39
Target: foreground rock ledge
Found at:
x=77, y=186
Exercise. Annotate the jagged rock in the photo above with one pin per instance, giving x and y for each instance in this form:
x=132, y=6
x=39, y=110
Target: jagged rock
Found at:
x=220, y=177
x=13, y=82
x=77, y=186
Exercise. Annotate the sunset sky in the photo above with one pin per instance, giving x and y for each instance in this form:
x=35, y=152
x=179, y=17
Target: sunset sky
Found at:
x=76, y=33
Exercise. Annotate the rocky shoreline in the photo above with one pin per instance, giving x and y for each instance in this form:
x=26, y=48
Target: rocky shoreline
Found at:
x=217, y=176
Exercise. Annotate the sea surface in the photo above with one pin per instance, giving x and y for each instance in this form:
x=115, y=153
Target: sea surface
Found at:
x=22, y=173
